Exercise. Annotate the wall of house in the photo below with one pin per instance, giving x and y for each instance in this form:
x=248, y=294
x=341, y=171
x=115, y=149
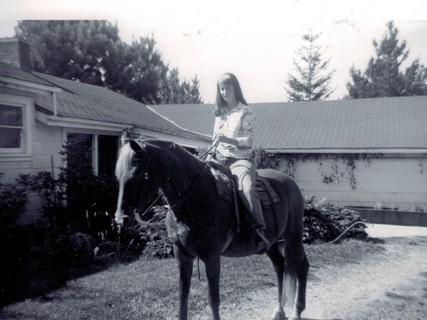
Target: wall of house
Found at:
x=41, y=150
x=390, y=181
x=47, y=142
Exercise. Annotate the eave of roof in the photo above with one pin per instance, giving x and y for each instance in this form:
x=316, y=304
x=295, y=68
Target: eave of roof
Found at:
x=13, y=77
x=84, y=102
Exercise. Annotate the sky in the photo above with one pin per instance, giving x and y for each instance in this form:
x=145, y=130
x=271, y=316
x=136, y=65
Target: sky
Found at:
x=255, y=40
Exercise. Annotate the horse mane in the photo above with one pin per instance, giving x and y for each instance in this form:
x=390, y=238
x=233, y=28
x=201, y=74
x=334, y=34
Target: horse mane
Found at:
x=177, y=150
x=124, y=167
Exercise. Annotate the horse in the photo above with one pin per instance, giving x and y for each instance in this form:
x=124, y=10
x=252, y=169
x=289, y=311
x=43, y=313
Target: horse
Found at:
x=202, y=225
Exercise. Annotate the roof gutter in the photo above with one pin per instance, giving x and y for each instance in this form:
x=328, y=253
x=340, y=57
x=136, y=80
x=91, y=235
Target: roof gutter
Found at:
x=30, y=86
x=56, y=121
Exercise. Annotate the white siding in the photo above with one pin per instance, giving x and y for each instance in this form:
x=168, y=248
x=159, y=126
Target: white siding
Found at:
x=394, y=181
x=43, y=147
x=47, y=143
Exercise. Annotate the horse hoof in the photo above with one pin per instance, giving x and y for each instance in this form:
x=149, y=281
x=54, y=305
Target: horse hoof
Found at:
x=279, y=314
x=295, y=316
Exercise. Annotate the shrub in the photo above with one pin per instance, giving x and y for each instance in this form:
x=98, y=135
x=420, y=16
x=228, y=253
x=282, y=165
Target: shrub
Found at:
x=13, y=199
x=86, y=193
x=155, y=235
x=43, y=255
x=53, y=194
x=324, y=222
x=33, y=262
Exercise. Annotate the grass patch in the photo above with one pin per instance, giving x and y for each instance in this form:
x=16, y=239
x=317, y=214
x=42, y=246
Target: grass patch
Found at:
x=148, y=289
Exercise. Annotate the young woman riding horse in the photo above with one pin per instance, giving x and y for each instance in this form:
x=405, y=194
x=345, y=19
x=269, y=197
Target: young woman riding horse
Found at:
x=201, y=224
x=233, y=137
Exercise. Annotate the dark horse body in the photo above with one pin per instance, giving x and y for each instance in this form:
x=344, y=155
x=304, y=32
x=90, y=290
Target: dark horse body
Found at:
x=201, y=222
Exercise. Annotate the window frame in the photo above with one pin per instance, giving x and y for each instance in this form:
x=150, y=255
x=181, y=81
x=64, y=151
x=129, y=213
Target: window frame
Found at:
x=95, y=136
x=25, y=103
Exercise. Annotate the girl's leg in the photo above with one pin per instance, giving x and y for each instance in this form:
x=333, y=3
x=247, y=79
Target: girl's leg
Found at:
x=245, y=172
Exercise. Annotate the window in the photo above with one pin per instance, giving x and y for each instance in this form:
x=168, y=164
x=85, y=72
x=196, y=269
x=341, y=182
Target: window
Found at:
x=79, y=147
x=11, y=127
x=15, y=127
x=108, y=147
x=97, y=151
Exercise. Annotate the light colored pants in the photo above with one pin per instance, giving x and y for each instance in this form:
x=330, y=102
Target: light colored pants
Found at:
x=246, y=172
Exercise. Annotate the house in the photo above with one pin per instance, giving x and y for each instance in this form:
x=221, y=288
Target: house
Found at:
x=364, y=152
x=39, y=112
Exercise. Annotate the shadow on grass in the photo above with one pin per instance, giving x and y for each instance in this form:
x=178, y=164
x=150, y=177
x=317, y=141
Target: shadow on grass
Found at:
x=375, y=240
x=33, y=267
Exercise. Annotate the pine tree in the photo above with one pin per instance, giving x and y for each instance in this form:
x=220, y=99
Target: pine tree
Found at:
x=309, y=84
x=383, y=76
x=175, y=91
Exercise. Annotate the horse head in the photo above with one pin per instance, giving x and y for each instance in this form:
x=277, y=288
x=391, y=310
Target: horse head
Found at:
x=136, y=185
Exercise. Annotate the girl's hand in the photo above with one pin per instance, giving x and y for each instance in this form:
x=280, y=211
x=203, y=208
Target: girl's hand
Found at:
x=219, y=137
x=222, y=138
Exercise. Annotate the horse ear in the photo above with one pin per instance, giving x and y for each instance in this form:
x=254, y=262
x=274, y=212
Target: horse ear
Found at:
x=135, y=146
x=125, y=136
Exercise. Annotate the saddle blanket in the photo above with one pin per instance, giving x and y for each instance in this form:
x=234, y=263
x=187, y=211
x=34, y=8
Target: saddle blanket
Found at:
x=224, y=188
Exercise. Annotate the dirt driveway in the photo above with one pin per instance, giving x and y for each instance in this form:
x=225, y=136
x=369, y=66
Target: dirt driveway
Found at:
x=392, y=287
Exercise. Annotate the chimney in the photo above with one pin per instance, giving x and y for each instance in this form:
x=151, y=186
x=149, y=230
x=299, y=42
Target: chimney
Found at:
x=15, y=52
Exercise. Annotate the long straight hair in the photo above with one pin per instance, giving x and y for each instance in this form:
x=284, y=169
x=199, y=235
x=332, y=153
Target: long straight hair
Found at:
x=221, y=104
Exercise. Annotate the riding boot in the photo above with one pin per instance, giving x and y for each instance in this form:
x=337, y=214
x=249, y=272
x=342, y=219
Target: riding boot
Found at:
x=262, y=242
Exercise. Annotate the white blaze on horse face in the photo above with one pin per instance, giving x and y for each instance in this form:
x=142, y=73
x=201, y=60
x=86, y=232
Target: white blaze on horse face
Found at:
x=124, y=172
x=120, y=216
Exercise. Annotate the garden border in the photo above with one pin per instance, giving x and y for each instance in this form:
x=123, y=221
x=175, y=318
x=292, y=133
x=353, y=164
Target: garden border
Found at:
x=394, y=217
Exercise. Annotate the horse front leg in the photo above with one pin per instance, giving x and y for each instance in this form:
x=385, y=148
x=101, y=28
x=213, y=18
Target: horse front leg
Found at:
x=213, y=268
x=185, y=265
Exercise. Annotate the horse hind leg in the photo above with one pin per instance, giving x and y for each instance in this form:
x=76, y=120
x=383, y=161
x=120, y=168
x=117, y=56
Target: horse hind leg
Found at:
x=213, y=266
x=279, y=266
x=296, y=270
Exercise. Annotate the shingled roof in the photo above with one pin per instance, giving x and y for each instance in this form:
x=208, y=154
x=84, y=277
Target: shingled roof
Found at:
x=12, y=72
x=373, y=125
x=89, y=102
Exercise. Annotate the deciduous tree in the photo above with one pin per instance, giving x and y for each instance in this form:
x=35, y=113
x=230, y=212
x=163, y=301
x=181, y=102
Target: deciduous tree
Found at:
x=71, y=49
x=91, y=51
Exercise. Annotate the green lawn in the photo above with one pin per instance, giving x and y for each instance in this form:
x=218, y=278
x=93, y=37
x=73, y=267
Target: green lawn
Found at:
x=147, y=289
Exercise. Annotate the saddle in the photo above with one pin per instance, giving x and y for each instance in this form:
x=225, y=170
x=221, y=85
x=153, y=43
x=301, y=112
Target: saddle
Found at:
x=226, y=188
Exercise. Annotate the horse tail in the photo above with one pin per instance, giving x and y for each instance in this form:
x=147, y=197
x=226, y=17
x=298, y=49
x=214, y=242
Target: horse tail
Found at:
x=289, y=279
